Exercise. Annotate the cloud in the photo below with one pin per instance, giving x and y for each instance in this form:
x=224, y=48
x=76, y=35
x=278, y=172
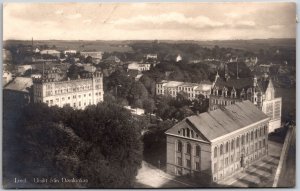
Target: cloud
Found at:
x=74, y=16
x=168, y=20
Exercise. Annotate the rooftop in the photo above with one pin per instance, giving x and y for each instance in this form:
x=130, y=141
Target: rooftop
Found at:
x=20, y=84
x=217, y=123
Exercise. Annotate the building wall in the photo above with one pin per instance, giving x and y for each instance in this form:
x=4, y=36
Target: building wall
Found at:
x=273, y=108
x=237, y=150
x=76, y=93
x=192, y=91
x=177, y=162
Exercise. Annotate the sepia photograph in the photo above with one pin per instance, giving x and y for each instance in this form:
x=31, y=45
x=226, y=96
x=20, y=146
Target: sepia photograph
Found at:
x=149, y=95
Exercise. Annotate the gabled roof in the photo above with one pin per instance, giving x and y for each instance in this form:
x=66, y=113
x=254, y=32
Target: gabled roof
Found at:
x=217, y=123
x=233, y=82
x=20, y=84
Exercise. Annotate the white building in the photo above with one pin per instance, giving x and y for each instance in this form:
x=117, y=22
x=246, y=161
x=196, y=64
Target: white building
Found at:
x=93, y=54
x=70, y=52
x=151, y=56
x=77, y=93
x=50, y=52
x=139, y=66
x=178, y=58
x=192, y=90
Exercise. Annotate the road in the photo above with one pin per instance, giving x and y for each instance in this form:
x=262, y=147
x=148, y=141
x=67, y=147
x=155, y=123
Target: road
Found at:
x=260, y=173
x=151, y=177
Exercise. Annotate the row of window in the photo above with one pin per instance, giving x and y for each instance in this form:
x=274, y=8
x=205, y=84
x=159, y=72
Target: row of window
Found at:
x=188, y=163
x=244, y=139
x=186, y=132
x=222, y=102
x=231, y=160
x=188, y=148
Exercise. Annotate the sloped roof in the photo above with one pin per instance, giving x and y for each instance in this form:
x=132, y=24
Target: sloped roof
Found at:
x=236, y=83
x=217, y=123
x=19, y=84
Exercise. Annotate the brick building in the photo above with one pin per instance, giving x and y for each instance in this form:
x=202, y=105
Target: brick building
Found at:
x=260, y=92
x=219, y=143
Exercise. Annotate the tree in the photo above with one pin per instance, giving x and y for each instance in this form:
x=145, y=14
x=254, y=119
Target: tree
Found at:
x=60, y=142
x=149, y=105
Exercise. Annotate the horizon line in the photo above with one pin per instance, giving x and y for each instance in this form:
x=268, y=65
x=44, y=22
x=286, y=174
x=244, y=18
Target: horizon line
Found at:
x=145, y=39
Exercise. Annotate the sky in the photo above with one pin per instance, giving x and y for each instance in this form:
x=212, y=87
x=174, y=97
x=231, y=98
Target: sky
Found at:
x=148, y=21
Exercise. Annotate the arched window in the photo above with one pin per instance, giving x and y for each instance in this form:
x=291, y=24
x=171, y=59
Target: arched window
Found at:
x=260, y=132
x=215, y=152
x=247, y=138
x=227, y=147
x=232, y=144
x=179, y=146
x=221, y=149
x=198, y=150
x=237, y=142
x=188, y=148
x=243, y=139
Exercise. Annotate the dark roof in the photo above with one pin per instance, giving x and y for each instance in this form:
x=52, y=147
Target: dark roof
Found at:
x=214, y=124
x=233, y=82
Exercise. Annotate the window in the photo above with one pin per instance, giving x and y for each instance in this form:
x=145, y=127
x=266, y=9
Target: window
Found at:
x=243, y=139
x=183, y=132
x=192, y=133
x=247, y=138
x=264, y=142
x=215, y=152
x=252, y=136
x=179, y=147
x=179, y=161
x=232, y=158
x=232, y=144
x=197, y=166
x=188, y=148
x=237, y=142
x=221, y=149
x=260, y=132
x=226, y=161
x=256, y=134
x=259, y=144
x=198, y=150
x=227, y=147
x=188, y=163
x=215, y=167
x=265, y=130
x=188, y=132
x=255, y=146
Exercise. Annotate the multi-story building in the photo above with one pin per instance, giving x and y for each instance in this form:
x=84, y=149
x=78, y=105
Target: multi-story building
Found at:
x=214, y=145
x=95, y=54
x=260, y=92
x=192, y=90
x=138, y=66
x=79, y=93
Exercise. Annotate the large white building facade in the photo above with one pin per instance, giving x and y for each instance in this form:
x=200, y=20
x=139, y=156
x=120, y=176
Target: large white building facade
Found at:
x=192, y=90
x=79, y=93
